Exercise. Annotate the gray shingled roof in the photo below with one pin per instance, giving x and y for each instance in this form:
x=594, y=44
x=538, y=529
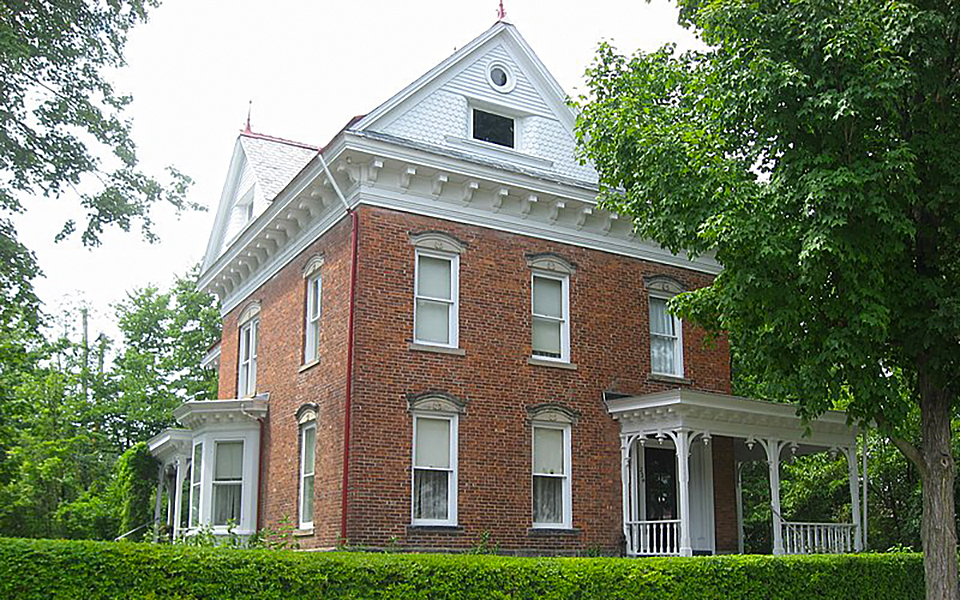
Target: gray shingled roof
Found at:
x=275, y=162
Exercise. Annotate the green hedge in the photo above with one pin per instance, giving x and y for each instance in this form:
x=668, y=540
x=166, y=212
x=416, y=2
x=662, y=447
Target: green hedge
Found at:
x=101, y=570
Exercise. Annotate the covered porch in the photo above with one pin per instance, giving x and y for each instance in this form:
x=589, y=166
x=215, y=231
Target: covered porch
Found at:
x=667, y=470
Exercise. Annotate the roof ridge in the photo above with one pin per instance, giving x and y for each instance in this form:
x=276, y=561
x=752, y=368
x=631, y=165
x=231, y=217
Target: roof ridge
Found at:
x=279, y=140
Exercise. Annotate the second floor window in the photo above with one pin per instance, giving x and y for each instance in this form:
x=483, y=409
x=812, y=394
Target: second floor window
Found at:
x=247, y=375
x=436, y=299
x=311, y=347
x=227, y=482
x=666, y=347
x=551, y=324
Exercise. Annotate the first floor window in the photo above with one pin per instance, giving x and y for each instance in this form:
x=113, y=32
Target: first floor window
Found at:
x=227, y=482
x=551, y=325
x=551, y=476
x=666, y=350
x=435, y=297
x=434, y=470
x=249, y=338
x=308, y=447
x=196, y=470
x=312, y=335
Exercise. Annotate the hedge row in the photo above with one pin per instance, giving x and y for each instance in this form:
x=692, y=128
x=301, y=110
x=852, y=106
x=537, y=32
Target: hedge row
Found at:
x=105, y=570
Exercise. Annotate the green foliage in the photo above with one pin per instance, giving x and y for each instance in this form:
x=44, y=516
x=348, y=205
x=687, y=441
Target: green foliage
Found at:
x=135, y=478
x=68, y=413
x=96, y=570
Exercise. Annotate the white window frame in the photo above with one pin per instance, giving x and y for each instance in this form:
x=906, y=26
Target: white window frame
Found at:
x=453, y=302
x=567, y=476
x=195, y=510
x=314, y=308
x=677, y=339
x=232, y=482
x=452, y=485
x=247, y=364
x=564, y=319
x=305, y=524
x=499, y=113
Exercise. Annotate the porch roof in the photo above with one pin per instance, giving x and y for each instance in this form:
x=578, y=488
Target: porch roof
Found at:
x=170, y=444
x=732, y=416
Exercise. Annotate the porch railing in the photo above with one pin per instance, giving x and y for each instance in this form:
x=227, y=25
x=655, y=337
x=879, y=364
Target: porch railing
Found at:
x=653, y=538
x=818, y=538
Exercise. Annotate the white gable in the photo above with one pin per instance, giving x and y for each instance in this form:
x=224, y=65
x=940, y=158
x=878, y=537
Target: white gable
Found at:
x=260, y=168
x=437, y=109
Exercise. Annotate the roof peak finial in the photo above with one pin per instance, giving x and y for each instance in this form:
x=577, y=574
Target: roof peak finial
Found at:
x=501, y=12
x=249, y=110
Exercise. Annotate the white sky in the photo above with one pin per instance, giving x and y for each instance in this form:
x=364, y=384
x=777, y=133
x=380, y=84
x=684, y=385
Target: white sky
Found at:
x=308, y=67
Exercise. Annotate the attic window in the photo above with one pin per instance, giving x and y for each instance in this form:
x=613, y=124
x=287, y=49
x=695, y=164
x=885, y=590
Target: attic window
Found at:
x=492, y=128
x=500, y=77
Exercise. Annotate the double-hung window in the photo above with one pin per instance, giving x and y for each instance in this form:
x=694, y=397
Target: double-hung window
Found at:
x=436, y=299
x=196, y=474
x=551, y=317
x=308, y=448
x=551, y=476
x=434, y=470
x=227, y=482
x=312, y=336
x=247, y=376
x=666, y=345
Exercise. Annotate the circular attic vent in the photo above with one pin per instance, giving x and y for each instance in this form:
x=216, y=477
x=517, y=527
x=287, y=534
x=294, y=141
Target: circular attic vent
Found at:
x=500, y=77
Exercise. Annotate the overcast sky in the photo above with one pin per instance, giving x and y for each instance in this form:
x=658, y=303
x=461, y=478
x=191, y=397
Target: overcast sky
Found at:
x=308, y=67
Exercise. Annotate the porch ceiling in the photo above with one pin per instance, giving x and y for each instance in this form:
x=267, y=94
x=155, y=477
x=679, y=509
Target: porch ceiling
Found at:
x=732, y=416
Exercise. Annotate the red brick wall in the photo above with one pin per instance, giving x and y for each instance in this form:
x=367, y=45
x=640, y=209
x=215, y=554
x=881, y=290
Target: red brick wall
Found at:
x=279, y=372
x=724, y=494
x=609, y=343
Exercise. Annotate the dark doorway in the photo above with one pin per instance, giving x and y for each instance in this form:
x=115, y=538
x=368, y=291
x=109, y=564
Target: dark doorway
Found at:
x=660, y=469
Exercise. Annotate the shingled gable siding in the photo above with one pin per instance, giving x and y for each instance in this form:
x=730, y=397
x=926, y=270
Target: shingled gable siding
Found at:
x=609, y=345
x=280, y=358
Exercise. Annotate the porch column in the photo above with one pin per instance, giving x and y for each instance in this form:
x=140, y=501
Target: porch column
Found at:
x=851, y=453
x=178, y=495
x=158, y=504
x=739, y=468
x=625, y=442
x=773, y=461
x=683, y=473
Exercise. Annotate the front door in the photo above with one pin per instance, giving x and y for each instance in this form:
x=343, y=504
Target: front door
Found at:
x=660, y=471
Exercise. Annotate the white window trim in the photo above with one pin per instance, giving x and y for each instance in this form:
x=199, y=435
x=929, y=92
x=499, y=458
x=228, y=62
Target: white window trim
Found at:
x=303, y=475
x=678, y=340
x=567, y=477
x=564, y=320
x=452, y=487
x=247, y=365
x=196, y=488
x=454, y=302
x=499, y=113
x=311, y=340
x=232, y=482
x=246, y=525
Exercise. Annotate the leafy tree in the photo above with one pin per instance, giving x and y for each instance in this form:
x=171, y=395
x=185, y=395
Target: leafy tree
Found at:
x=814, y=148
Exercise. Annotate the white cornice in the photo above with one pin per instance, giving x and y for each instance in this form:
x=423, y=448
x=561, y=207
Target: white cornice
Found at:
x=197, y=414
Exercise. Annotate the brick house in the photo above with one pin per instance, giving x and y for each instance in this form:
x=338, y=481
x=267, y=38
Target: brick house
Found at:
x=433, y=338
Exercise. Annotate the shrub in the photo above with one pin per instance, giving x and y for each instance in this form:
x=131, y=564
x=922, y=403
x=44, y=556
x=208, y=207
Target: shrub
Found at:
x=104, y=570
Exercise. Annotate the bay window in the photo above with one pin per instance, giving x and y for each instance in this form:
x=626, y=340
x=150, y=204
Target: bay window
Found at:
x=551, y=476
x=227, y=482
x=435, y=318
x=196, y=472
x=434, y=470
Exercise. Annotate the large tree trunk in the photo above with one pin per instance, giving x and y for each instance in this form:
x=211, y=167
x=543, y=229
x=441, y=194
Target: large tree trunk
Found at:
x=938, y=528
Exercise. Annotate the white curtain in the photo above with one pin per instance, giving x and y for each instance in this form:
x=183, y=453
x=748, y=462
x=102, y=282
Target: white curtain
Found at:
x=226, y=503
x=547, y=499
x=430, y=494
x=227, y=484
x=228, y=462
x=663, y=346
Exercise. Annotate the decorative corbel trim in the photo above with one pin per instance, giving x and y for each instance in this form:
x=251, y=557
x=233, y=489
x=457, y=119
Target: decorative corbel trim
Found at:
x=436, y=401
x=552, y=412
